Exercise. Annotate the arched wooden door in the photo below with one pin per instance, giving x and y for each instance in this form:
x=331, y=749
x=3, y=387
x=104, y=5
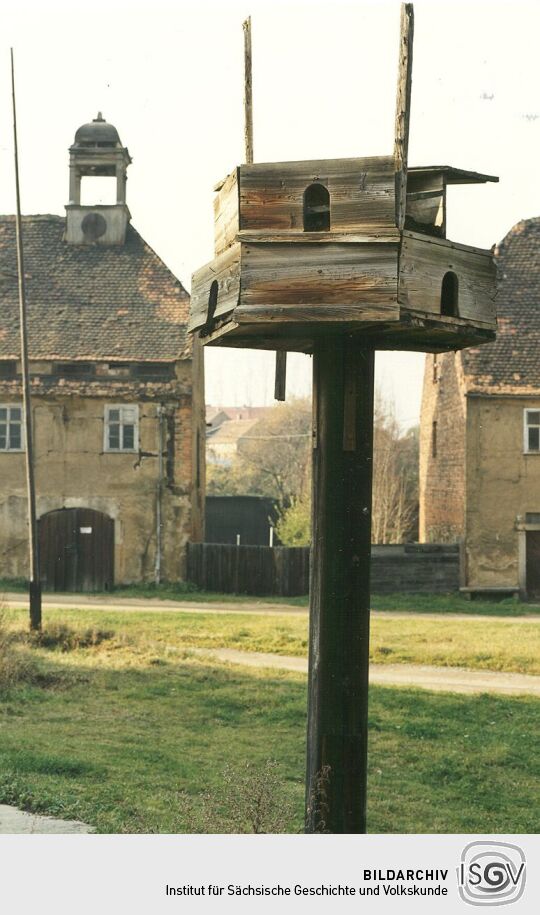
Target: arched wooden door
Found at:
x=76, y=550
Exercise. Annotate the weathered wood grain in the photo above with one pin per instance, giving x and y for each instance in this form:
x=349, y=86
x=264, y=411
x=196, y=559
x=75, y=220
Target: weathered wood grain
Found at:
x=225, y=270
x=320, y=275
x=422, y=265
x=343, y=393
x=226, y=213
x=248, y=92
x=403, y=109
x=362, y=192
x=382, y=235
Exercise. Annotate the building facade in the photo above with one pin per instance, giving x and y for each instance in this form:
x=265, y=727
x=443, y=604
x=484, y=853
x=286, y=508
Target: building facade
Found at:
x=117, y=392
x=480, y=435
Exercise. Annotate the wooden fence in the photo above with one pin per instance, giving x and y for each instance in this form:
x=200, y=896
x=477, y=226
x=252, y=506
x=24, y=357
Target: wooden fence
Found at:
x=284, y=571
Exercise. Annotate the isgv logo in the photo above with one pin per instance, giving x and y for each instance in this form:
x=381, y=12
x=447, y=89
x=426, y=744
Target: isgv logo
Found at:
x=491, y=873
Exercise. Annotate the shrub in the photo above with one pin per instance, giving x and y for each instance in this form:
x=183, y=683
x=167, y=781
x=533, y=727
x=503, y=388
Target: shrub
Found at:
x=250, y=799
x=15, y=666
x=60, y=637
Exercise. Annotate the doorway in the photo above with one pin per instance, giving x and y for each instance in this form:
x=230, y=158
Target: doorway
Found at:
x=76, y=550
x=532, y=560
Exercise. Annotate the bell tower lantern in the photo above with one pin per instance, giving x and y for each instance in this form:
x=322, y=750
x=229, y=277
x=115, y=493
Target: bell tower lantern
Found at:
x=97, y=152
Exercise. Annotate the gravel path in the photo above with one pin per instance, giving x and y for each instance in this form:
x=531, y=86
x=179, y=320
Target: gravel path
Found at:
x=258, y=608
x=16, y=822
x=439, y=679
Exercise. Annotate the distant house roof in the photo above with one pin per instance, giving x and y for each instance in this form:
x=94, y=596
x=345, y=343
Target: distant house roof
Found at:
x=244, y=412
x=511, y=365
x=90, y=302
x=230, y=432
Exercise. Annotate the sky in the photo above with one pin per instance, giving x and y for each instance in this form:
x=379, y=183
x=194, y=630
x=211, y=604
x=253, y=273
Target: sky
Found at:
x=169, y=76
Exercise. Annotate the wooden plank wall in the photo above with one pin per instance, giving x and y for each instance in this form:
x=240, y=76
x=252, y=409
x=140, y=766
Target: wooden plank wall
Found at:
x=423, y=264
x=284, y=571
x=225, y=270
x=362, y=193
x=257, y=570
x=226, y=213
x=326, y=278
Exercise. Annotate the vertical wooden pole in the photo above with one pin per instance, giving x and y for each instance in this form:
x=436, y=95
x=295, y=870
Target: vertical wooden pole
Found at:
x=281, y=375
x=281, y=357
x=403, y=109
x=248, y=92
x=35, y=582
x=339, y=588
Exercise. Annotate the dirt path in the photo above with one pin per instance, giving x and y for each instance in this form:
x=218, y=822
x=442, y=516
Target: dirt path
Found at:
x=258, y=608
x=17, y=822
x=440, y=679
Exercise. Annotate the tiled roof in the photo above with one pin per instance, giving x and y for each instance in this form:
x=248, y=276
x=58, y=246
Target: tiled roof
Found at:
x=230, y=432
x=90, y=302
x=511, y=365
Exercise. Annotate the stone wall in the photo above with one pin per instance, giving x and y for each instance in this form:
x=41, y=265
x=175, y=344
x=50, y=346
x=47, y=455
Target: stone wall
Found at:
x=442, y=451
x=503, y=485
x=74, y=471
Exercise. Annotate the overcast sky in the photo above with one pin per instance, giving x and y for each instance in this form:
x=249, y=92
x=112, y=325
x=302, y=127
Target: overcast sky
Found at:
x=169, y=76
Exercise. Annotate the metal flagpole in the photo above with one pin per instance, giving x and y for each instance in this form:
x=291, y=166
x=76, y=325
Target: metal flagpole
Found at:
x=35, y=583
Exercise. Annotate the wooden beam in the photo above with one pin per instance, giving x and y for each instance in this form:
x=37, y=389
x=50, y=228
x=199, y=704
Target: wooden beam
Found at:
x=339, y=587
x=248, y=92
x=281, y=357
x=281, y=375
x=403, y=109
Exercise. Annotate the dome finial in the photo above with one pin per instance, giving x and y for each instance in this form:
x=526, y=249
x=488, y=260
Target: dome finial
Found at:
x=99, y=117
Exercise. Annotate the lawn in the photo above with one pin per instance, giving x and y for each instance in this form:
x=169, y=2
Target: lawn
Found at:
x=501, y=645
x=131, y=737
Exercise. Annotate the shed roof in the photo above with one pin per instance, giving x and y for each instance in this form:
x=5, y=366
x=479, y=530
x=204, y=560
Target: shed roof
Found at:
x=511, y=364
x=452, y=175
x=90, y=302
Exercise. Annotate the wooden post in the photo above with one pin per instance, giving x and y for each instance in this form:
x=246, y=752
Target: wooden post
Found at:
x=281, y=357
x=248, y=92
x=33, y=545
x=403, y=109
x=281, y=375
x=339, y=588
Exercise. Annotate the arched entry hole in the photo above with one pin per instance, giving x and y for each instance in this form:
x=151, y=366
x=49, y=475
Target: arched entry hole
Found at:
x=316, y=208
x=450, y=295
x=212, y=304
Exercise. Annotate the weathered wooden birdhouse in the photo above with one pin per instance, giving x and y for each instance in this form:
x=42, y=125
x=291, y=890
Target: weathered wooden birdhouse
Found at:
x=306, y=250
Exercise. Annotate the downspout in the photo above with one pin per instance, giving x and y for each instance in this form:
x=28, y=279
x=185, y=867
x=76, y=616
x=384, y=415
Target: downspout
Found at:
x=157, y=569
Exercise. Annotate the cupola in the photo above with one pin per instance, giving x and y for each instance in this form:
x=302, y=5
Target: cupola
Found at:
x=97, y=152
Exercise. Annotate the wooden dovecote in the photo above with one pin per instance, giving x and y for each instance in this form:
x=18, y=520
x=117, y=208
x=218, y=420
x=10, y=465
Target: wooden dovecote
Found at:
x=304, y=250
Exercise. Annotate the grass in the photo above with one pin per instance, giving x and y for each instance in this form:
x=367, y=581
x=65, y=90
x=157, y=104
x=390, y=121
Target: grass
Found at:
x=129, y=737
x=498, y=645
x=406, y=603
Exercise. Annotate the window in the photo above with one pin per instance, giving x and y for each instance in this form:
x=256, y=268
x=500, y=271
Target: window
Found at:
x=434, y=439
x=121, y=428
x=435, y=369
x=11, y=428
x=75, y=369
x=316, y=208
x=449, y=295
x=531, y=444
x=8, y=369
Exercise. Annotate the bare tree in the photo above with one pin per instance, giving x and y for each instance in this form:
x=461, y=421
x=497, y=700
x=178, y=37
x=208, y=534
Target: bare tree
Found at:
x=275, y=455
x=394, y=495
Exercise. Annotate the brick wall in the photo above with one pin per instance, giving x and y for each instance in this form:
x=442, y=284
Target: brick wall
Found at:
x=442, y=450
